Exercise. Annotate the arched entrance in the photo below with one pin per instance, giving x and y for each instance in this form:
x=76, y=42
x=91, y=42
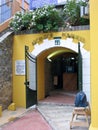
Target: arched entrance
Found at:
x=73, y=47
x=61, y=70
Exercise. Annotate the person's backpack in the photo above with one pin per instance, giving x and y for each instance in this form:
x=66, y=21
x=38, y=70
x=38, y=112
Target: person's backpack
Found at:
x=81, y=99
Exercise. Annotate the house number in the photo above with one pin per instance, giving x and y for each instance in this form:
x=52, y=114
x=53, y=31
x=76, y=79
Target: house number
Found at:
x=57, y=41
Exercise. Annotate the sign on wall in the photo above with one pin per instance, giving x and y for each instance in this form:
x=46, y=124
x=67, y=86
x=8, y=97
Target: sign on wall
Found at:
x=20, y=67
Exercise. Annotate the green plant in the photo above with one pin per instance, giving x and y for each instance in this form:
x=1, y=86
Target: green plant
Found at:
x=16, y=22
x=84, y=21
x=72, y=12
x=47, y=19
x=21, y=21
x=43, y=19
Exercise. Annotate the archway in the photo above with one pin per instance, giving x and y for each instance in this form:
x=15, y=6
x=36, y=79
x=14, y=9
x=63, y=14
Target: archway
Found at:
x=69, y=44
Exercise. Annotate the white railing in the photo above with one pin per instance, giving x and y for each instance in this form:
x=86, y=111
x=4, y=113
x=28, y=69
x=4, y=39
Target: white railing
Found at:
x=73, y=28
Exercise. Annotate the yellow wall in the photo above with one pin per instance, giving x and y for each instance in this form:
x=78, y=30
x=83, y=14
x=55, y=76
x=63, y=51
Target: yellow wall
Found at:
x=18, y=81
x=19, y=95
x=94, y=63
x=40, y=78
x=89, y=39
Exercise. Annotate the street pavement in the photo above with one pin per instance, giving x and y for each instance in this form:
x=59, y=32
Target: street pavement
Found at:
x=52, y=113
x=58, y=116
x=45, y=116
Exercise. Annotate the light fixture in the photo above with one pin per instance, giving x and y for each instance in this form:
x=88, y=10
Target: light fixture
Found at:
x=49, y=60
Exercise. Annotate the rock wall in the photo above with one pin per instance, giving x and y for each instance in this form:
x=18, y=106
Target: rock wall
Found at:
x=6, y=45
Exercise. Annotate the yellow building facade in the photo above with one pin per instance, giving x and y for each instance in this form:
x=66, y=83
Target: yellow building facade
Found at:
x=94, y=63
x=34, y=41
x=20, y=41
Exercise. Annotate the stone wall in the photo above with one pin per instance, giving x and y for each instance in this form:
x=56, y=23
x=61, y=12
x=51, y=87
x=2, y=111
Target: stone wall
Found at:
x=6, y=45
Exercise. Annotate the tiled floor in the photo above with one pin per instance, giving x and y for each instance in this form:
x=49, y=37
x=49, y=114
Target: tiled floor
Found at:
x=60, y=97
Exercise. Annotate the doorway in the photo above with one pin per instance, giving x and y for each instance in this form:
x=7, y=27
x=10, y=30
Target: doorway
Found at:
x=49, y=46
x=62, y=72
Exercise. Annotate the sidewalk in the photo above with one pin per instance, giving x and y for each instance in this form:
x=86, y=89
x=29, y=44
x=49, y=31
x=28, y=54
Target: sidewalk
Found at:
x=52, y=113
x=8, y=116
x=59, y=116
x=31, y=120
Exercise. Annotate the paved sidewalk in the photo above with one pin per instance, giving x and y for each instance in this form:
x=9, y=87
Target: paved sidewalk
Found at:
x=52, y=113
x=31, y=120
x=8, y=115
x=58, y=116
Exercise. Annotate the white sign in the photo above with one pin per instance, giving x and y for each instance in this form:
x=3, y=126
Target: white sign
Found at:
x=61, y=1
x=20, y=67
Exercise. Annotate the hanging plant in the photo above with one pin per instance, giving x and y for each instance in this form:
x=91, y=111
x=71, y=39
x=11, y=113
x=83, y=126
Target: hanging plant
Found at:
x=48, y=18
x=43, y=19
